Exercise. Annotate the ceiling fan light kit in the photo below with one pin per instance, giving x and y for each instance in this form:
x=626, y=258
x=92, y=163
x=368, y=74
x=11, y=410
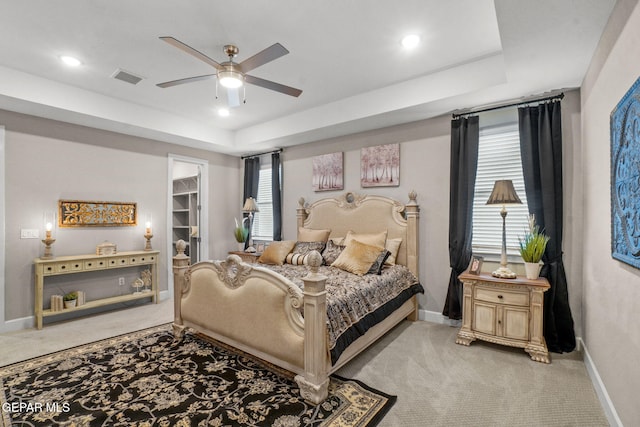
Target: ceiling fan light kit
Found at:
x=232, y=75
x=230, y=79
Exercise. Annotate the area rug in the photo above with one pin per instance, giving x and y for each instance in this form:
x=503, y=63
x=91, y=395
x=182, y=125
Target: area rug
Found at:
x=147, y=378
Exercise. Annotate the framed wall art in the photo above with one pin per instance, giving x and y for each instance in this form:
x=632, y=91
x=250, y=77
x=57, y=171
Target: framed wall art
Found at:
x=76, y=213
x=380, y=166
x=328, y=173
x=625, y=178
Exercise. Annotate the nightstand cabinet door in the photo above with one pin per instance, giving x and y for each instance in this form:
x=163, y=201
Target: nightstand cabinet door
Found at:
x=516, y=323
x=485, y=317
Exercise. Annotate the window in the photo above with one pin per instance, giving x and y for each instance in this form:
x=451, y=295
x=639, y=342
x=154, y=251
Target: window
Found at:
x=263, y=220
x=498, y=158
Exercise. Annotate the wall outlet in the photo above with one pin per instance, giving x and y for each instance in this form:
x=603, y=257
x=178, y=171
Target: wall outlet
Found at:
x=121, y=281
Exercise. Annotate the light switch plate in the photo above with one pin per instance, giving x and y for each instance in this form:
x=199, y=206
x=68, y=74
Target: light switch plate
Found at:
x=29, y=233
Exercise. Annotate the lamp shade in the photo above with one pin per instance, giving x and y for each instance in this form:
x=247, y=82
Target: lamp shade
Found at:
x=250, y=205
x=503, y=193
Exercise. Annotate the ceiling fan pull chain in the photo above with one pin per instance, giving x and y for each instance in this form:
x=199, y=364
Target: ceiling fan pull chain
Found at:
x=244, y=94
x=216, y=88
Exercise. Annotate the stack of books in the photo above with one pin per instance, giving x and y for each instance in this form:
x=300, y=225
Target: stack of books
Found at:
x=56, y=303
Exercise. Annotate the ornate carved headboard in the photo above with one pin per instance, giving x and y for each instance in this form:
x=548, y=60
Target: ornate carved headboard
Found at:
x=367, y=214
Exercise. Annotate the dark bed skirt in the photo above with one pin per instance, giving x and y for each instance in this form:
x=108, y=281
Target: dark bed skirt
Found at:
x=370, y=320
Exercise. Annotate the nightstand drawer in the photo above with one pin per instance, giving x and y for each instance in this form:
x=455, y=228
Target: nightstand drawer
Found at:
x=499, y=296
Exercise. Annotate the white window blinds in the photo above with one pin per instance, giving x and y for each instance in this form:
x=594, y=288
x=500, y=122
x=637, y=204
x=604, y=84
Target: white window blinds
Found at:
x=498, y=158
x=263, y=220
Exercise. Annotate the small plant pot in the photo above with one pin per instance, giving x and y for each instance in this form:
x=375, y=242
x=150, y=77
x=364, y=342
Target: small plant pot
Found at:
x=532, y=270
x=70, y=304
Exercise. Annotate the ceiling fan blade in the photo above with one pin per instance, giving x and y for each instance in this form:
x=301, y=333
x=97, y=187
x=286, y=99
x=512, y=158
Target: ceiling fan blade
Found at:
x=269, y=54
x=186, y=80
x=191, y=51
x=267, y=84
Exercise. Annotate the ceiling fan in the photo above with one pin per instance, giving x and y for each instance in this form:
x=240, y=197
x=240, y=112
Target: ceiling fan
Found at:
x=233, y=75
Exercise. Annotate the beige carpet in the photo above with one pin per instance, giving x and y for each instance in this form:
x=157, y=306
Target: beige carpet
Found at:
x=438, y=383
x=441, y=383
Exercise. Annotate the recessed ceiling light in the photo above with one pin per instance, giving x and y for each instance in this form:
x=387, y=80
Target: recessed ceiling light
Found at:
x=410, y=41
x=70, y=61
x=223, y=112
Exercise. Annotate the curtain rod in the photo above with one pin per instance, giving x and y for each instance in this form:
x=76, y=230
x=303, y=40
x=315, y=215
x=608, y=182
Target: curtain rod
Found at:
x=249, y=156
x=530, y=100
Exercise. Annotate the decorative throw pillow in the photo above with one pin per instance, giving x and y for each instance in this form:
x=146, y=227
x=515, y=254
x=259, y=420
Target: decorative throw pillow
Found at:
x=357, y=257
x=298, y=255
x=393, y=246
x=276, y=252
x=331, y=251
x=374, y=239
x=378, y=264
x=311, y=235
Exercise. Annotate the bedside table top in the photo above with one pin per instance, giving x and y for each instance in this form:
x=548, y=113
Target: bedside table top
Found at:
x=520, y=280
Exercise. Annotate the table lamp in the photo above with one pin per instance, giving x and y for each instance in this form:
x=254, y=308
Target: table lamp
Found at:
x=504, y=194
x=250, y=206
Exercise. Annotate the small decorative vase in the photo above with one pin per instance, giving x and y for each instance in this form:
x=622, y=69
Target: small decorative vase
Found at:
x=70, y=304
x=532, y=270
x=240, y=246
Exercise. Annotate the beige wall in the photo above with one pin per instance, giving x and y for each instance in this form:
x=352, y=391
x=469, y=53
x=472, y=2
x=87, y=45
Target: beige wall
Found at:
x=611, y=301
x=46, y=161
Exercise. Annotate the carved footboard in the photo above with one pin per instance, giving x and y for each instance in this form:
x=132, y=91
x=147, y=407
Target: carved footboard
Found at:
x=257, y=311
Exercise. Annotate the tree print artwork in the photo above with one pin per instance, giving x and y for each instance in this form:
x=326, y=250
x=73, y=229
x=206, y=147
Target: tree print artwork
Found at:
x=328, y=172
x=380, y=166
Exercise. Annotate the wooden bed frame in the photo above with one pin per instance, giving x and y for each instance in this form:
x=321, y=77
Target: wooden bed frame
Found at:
x=258, y=311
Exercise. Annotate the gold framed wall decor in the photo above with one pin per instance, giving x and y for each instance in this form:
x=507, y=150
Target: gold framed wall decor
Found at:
x=78, y=213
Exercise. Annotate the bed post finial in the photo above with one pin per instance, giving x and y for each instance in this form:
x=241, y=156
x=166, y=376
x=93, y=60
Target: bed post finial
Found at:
x=314, y=383
x=301, y=213
x=413, y=197
x=180, y=267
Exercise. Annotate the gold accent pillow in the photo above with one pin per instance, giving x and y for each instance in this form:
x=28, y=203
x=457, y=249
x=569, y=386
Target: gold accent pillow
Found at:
x=374, y=239
x=311, y=235
x=276, y=252
x=357, y=257
x=393, y=246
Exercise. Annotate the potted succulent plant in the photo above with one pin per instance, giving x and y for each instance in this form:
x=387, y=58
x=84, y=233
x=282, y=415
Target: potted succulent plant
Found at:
x=70, y=299
x=241, y=233
x=532, y=248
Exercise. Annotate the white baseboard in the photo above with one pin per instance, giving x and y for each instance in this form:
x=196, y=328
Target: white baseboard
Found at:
x=436, y=317
x=598, y=385
x=17, y=324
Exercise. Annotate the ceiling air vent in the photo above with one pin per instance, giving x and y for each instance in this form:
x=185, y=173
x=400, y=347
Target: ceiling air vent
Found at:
x=126, y=76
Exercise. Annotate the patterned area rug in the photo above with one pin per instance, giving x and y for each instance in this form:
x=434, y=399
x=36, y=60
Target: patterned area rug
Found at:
x=148, y=379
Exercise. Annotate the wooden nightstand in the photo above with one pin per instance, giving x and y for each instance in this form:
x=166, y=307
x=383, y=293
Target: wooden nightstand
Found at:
x=504, y=311
x=249, y=257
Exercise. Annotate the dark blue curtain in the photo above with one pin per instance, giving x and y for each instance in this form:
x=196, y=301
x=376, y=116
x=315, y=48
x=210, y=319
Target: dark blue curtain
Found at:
x=276, y=195
x=251, y=180
x=465, y=135
x=541, y=150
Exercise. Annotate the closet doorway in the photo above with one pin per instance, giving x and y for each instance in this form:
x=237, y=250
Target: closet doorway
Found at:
x=187, y=209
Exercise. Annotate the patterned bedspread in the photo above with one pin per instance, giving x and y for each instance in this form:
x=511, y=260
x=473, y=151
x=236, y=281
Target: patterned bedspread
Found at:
x=356, y=303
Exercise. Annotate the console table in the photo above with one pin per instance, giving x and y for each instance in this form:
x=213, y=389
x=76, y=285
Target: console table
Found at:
x=87, y=263
x=504, y=311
